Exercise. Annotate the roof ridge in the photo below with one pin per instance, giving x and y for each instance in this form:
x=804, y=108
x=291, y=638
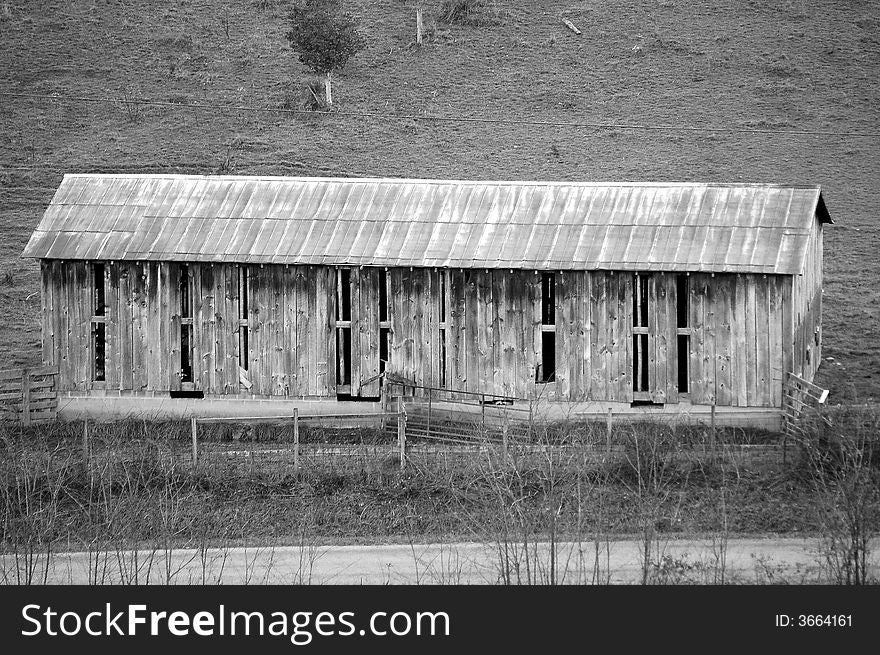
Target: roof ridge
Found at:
x=414, y=180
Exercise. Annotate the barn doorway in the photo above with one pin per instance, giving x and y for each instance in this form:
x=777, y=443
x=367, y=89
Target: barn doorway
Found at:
x=652, y=309
x=359, y=299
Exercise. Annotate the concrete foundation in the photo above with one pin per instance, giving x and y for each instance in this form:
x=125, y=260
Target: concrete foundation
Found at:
x=111, y=408
x=73, y=407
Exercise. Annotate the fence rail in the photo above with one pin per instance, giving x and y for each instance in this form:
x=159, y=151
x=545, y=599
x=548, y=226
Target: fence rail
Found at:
x=802, y=402
x=29, y=395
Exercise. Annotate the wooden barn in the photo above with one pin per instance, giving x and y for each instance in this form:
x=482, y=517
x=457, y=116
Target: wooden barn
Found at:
x=677, y=296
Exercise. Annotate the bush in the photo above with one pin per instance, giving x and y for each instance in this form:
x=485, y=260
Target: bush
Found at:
x=324, y=37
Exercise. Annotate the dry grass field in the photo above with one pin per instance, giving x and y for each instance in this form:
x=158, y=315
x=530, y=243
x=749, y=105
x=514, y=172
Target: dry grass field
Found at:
x=753, y=72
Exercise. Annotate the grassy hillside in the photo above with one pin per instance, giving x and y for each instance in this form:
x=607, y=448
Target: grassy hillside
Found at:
x=731, y=65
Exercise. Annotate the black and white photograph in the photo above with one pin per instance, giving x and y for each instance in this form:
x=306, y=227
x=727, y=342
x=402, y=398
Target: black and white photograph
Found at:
x=364, y=300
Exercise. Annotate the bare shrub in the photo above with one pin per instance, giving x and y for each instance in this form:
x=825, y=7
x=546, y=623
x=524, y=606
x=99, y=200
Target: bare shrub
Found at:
x=841, y=458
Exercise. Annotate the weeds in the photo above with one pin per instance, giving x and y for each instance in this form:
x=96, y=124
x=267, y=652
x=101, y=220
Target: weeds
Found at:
x=476, y=13
x=548, y=510
x=842, y=461
x=128, y=103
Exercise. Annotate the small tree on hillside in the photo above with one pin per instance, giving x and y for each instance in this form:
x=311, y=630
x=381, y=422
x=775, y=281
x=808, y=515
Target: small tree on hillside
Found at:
x=325, y=38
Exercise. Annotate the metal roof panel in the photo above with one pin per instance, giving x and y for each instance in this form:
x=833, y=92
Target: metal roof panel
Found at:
x=558, y=225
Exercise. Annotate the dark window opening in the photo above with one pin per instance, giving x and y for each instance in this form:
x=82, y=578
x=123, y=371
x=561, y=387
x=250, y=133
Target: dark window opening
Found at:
x=383, y=295
x=99, y=329
x=185, y=300
x=640, y=363
x=187, y=393
x=684, y=346
x=645, y=403
x=186, y=373
x=681, y=301
x=441, y=377
x=682, y=312
x=384, y=336
x=640, y=300
x=243, y=293
x=99, y=302
x=443, y=280
x=343, y=360
x=548, y=299
x=186, y=327
x=548, y=357
x=347, y=397
x=243, y=347
x=343, y=307
x=98, y=342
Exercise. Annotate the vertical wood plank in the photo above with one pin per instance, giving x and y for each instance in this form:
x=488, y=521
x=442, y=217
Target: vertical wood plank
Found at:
x=585, y=336
x=670, y=330
x=751, y=341
x=710, y=338
x=302, y=328
x=46, y=313
x=656, y=317
x=455, y=345
x=471, y=331
x=127, y=274
x=151, y=321
x=612, y=336
x=697, y=320
x=722, y=301
x=232, y=332
x=289, y=343
x=623, y=386
x=255, y=290
x=418, y=301
x=174, y=326
x=762, y=335
x=221, y=327
x=368, y=331
x=534, y=333
x=431, y=330
x=325, y=380
x=496, y=308
x=776, y=344
x=598, y=334
x=562, y=322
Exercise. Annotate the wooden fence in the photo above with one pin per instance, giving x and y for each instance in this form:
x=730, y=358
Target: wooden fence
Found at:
x=29, y=395
x=801, y=404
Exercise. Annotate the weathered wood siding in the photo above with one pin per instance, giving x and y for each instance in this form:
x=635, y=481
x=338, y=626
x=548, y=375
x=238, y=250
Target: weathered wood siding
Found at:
x=290, y=344
x=736, y=344
x=744, y=331
x=805, y=322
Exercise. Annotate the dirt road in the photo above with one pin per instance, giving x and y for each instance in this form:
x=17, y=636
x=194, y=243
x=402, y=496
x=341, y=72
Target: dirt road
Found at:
x=696, y=561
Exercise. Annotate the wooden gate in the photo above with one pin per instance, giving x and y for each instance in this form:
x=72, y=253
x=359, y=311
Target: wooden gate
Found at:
x=29, y=395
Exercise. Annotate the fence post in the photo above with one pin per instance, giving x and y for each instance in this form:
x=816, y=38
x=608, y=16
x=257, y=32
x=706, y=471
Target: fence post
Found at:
x=85, y=444
x=194, y=427
x=712, y=432
x=608, y=422
x=401, y=433
x=504, y=432
x=429, y=413
x=25, y=396
x=296, y=438
x=483, y=411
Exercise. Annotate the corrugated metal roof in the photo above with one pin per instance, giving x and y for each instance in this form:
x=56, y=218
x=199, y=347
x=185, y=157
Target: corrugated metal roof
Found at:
x=438, y=223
